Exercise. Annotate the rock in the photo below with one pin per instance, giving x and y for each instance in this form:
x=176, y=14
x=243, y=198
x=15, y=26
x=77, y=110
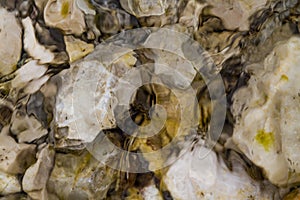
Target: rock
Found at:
x=36, y=176
x=77, y=48
x=9, y=184
x=80, y=177
x=65, y=15
x=11, y=42
x=15, y=158
x=267, y=124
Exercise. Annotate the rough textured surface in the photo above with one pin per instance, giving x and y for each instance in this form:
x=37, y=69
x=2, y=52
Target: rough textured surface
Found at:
x=267, y=125
x=80, y=177
x=36, y=176
x=235, y=14
x=193, y=177
x=86, y=117
x=27, y=129
x=9, y=184
x=66, y=69
x=77, y=48
x=14, y=157
x=64, y=14
x=11, y=43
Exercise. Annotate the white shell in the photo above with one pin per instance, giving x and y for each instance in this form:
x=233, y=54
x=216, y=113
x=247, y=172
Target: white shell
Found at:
x=85, y=7
x=36, y=176
x=11, y=42
x=32, y=46
x=143, y=8
x=26, y=128
x=87, y=82
x=195, y=177
x=65, y=14
x=79, y=177
x=268, y=129
x=30, y=77
x=77, y=48
x=151, y=193
x=9, y=184
x=235, y=14
x=14, y=156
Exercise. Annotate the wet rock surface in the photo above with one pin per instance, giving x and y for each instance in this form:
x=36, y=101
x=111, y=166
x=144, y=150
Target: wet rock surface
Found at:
x=93, y=91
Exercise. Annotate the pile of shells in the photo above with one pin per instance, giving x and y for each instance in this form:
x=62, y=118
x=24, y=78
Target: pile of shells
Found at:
x=73, y=72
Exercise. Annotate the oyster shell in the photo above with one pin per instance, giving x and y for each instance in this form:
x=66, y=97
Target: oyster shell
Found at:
x=77, y=48
x=11, y=42
x=79, y=177
x=191, y=14
x=26, y=128
x=9, y=184
x=85, y=7
x=169, y=17
x=36, y=176
x=235, y=14
x=267, y=124
x=14, y=157
x=143, y=8
x=30, y=77
x=293, y=195
x=151, y=193
x=196, y=177
x=59, y=38
x=66, y=15
x=76, y=79
x=32, y=46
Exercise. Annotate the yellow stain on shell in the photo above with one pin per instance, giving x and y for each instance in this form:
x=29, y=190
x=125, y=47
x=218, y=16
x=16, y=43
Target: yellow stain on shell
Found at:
x=65, y=9
x=284, y=78
x=266, y=139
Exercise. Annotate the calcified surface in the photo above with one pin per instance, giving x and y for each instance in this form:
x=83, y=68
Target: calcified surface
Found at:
x=50, y=128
